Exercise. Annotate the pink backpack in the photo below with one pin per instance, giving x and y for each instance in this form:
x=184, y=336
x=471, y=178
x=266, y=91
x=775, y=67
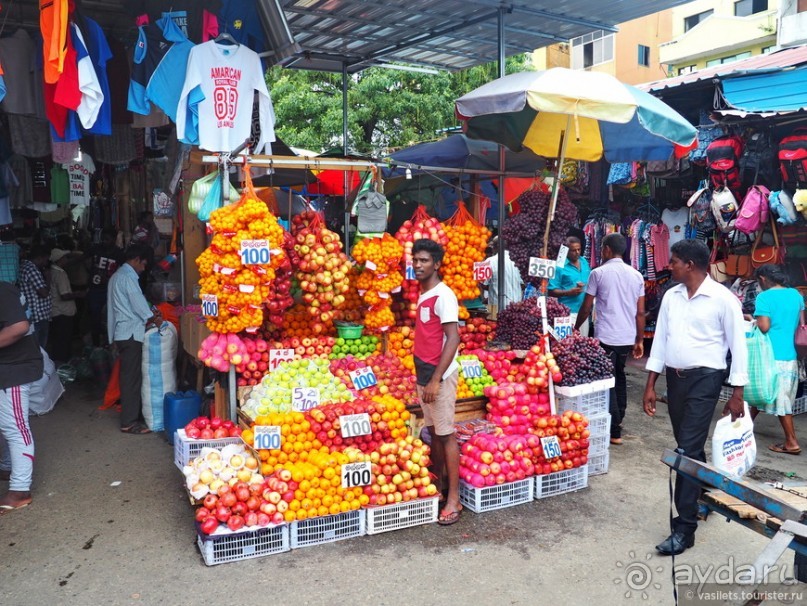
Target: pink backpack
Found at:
x=753, y=214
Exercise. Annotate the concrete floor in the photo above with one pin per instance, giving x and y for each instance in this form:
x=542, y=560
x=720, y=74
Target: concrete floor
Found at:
x=85, y=541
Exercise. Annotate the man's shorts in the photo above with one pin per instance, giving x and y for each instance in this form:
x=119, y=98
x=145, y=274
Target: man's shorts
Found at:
x=440, y=413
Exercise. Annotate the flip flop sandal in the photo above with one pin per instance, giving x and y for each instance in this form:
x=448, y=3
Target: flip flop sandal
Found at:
x=136, y=429
x=4, y=509
x=780, y=448
x=449, y=518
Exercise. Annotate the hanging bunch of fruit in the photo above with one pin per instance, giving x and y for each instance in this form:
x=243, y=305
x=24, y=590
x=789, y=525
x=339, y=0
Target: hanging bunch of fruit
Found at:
x=421, y=225
x=322, y=271
x=381, y=258
x=524, y=232
x=237, y=269
x=353, y=308
x=467, y=240
x=279, y=298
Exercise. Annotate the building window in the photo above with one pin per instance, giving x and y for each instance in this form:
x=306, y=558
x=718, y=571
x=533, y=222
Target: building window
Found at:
x=688, y=69
x=644, y=55
x=768, y=49
x=801, y=7
x=693, y=20
x=729, y=59
x=592, y=49
x=744, y=8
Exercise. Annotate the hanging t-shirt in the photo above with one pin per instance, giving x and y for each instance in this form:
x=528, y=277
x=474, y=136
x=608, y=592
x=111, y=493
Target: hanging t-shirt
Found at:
x=100, y=54
x=64, y=94
x=9, y=182
x=676, y=221
x=59, y=186
x=187, y=14
x=80, y=173
x=241, y=20
x=217, y=97
x=17, y=53
x=40, y=179
x=53, y=25
x=92, y=97
x=164, y=87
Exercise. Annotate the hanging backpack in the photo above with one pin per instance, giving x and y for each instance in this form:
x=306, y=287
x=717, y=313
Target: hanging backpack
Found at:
x=757, y=164
x=723, y=162
x=753, y=213
x=708, y=131
x=724, y=209
x=700, y=209
x=793, y=157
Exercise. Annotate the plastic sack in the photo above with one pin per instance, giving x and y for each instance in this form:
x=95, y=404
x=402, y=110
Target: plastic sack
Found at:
x=159, y=372
x=734, y=448
x=212, y=197
x=763, y=378
x=47, y=390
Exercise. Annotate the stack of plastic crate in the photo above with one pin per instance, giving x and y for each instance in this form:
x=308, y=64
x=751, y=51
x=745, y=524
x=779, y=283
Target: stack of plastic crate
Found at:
x=592, y=401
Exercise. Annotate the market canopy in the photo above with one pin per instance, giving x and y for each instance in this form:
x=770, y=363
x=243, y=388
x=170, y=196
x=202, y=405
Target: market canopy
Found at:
x=325, y=35
x=775, y=91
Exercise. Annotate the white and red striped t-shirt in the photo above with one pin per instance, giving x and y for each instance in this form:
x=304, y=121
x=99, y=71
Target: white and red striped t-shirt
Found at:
x=436, y=307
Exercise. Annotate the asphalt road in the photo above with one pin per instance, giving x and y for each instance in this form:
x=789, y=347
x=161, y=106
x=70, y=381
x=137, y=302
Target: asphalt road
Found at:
x=110, y=524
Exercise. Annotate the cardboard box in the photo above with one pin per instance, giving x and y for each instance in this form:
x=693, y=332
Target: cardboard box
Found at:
x=193, y=332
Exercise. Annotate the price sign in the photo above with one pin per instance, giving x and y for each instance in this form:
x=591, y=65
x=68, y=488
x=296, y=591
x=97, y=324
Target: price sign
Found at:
x=551, y=447
x=357, y=474
x=267, y=437
x=541, y=302
x=471, y=369
x=276, y=356
x=304, y=398
x=210, y=306
x=254, y=252
x=355, y=425
x=363, y=378
x=542, y=268
x=410, y=271
x=482, y=271
x=563, y=252
x=563, y=327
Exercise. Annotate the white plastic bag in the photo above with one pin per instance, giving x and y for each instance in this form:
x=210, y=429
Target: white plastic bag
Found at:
x=159, y=372
x=734, y=448
x=47, y=390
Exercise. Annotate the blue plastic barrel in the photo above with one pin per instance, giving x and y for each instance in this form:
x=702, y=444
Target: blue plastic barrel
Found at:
x=180, y=408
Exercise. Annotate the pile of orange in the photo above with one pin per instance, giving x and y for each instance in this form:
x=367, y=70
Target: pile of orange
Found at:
x=401, y=342
x=466, y=245
x=240, y=289
x=380, y=278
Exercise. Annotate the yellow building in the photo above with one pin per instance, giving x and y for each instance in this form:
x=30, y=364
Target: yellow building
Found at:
x=707, y=33
x=694, y=35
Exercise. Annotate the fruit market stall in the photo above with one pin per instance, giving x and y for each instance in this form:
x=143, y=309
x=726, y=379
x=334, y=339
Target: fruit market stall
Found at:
x=329, y=443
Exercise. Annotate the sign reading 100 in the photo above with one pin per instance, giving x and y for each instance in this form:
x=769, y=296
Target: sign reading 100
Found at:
x=254, y=252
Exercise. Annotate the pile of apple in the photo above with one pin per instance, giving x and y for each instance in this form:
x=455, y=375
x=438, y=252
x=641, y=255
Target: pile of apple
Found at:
x=359, y=348
x=213, y=468
x=218, y=351
x=420, y=226
x=571, y=429
x=539, y=365
x=322, y=271
x=279, y=297
x=404, y=304
x=211, y=428
x=392, y=376
x=274, y=392
x=513, y=409
x=476, y=333
x=400, y=472
x=499, y=364
x=306, y=346
x=488, y=460
x=388, y=418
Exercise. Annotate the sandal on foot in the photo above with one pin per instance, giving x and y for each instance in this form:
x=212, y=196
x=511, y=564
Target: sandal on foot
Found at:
x=781, y=449
x=4, y=509
x=616, y=441
x=447, y=519
x=137, y=429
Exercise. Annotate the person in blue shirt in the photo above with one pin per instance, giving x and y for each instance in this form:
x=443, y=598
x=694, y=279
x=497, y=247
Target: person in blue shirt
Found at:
x=569, y=283
x=128, y=317
x=778, y=311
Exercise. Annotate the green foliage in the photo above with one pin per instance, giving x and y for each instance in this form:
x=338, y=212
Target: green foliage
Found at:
x=386, y=108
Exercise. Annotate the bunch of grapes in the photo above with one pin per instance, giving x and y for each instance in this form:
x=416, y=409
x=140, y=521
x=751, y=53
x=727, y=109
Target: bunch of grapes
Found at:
x=524, y=232
x=582, y=360
x=521, y=323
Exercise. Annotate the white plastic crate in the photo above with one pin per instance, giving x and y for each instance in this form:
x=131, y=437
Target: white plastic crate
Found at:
x=186, y=450
x=598, y=444
x=499, y=496
x=590, y=404
x=584, y=388
x=561, y=482
x=600, y=424
x=598, y=464
x=384, y=518
x=243, y=545
x=800, y=405
x=328, y=529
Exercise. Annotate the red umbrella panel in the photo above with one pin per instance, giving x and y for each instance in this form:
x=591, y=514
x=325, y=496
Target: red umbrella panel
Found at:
x=332, y=182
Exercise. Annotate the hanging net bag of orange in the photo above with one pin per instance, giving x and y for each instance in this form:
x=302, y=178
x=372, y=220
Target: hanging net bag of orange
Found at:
x=467, y=240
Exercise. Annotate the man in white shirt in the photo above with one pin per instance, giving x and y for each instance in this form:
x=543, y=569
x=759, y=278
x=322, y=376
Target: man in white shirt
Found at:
x=512, y=280
x=619, y=292
x=698, y=323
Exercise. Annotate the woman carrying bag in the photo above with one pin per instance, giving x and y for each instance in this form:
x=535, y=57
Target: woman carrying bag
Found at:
x=778, y=314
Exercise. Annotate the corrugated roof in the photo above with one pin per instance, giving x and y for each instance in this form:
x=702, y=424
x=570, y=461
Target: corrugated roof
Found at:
x=788, y=57
x=779, y=91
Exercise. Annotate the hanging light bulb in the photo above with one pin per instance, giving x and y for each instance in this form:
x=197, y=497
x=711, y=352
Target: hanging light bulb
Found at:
x=409, y=174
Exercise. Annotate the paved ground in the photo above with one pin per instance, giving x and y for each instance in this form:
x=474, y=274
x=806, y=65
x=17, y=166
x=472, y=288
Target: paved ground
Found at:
x=85, y=541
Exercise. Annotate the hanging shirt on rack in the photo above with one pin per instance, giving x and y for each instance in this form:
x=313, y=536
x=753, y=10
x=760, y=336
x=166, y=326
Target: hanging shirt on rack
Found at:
x=81, y=172
x=189, y=15
x=92, y=95
x=63, y=95
x=17, y=53
x=676, y=221
x=53, y=25
x=217, y=97
x=99, y=54
x=660, y=239
x=164, y=87
x=240, y=19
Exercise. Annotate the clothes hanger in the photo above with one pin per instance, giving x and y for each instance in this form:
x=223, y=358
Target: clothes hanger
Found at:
x=225, y=38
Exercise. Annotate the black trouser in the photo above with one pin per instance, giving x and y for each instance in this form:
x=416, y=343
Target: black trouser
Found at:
x=691, y=398
x=619, y=392
x=96, y=301
x=61, y=338
x=131, y=357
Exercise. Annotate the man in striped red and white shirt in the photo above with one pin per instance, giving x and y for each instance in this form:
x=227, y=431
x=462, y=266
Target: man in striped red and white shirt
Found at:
x=20, y=365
